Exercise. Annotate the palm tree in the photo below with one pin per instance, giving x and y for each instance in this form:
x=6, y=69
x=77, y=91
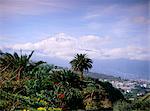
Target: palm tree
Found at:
x=81, y=63
x=16, y=63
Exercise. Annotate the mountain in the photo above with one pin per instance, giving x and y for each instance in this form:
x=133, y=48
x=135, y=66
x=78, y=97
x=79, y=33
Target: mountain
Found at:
x=127, y=69
x=124, y=68
x=102, y=76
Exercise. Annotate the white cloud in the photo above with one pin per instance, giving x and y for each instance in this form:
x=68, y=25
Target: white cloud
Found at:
x=100, y=11
x=130, y=52
x=64, y=46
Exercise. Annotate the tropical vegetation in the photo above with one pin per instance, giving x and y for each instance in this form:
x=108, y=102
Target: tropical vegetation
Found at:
x=29, y=86
x=81, y=63
x=139, y=104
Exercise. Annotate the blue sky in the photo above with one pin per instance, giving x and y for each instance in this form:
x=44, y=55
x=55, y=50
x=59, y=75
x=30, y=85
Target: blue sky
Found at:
x=104, y=29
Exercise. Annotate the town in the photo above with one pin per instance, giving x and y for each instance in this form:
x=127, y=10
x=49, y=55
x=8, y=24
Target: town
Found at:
x=131, y=88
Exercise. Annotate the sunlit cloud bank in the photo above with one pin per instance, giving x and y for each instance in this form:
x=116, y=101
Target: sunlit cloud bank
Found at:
x=65, y=46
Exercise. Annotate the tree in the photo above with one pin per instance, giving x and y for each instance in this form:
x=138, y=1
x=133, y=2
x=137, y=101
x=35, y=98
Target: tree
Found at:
x=17, y=63
x=81, y=63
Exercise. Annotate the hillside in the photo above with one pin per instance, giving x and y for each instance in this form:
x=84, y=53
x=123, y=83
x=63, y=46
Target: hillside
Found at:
x=102, y=76
x=28, y=85
x=139, y=104
x=145, y=97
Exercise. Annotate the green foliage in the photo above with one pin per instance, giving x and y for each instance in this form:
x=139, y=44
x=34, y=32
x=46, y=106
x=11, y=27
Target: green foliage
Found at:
x=81, y=63
x=95, y=96
x=136, y=105
x=67, y=78
x=121, y=106
x=114, y=94
x=43, y=86
x=41, y=71
x=18, y=64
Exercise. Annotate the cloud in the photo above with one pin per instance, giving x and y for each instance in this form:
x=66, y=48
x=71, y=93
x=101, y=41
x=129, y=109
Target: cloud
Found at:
x=30, y=7
x=117, y=9
x=118, y=18
x=130, y=52
x=64, y=46
x=100, y=11
x=6, y=38
x=141, y=20
x=3, y=38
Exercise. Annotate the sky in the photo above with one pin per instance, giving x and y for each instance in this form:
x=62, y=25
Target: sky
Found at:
x=103, y=29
